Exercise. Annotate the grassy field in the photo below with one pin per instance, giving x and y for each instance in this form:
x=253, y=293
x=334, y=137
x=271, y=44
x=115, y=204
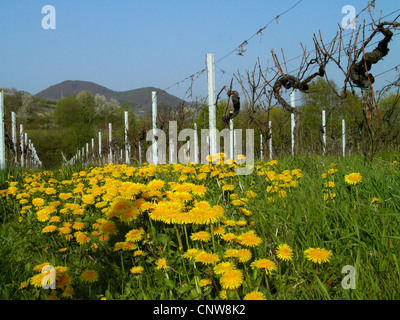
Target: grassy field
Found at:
x=202, y=232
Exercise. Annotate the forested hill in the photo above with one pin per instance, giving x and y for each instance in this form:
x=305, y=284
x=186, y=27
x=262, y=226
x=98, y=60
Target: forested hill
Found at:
x=137, y=97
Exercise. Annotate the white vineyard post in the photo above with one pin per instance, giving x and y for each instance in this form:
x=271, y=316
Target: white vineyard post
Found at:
x=92, y=157
x=344, y=137
x=324, y=130
x=196, y=145
x=231, y=142
x=154, y=114
x=21, y=140
x=26, y=146
x=110, y=154
x=14, y=136
x=87, y=152
x=211, y=103
x=261, y=148
x=270, y=140
x=126, y=138
x=99, y=147
x=2, y=135
x=293, y=120
x=140, y=153
x=30, y=154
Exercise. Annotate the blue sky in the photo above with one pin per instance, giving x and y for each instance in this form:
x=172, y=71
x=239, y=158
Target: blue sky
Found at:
x=131, y=44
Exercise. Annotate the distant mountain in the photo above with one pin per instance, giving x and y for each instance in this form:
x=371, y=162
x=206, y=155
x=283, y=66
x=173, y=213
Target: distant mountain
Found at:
x=70, y=88
x=140, y=99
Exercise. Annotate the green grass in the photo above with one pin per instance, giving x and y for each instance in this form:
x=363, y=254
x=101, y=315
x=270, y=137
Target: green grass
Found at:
x=359, y=234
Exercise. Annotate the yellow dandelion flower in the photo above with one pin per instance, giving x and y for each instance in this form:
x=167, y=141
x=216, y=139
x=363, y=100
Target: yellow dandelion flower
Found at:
x=135, y=235
x=37, y=279
x=318, y=255
x=62, y=279
x=266, y=264
x=223, y=267
x=68, y=292
x=237, y=202
x=50, y=191
x=219, y=231
x=202, y=236
x=231, y=253
x=375, y=200
x=49, y=228
x=245, y=212
x=137, y=270
x=161, y=264
x=65, y=229
x=231, y=280
x=243, y=255
x=255, y=295
x=81, y=237
x=204, y=283
x=228, y=187
x=55, y=219
x=329, y=184
x=38, y=202
x=43, y=215
x=284, y=252
x=78, y=225
x=156, y=184
x=229, y=237
x=138, y=253
x=191, y=254
x=207, y=258
x=119, y=246
x=89, y=276
x=249, y=239
x=241, y=223
x=65, y=196
x=353, y=178
x=108, y=227
x=88, y=199
x=223, y=295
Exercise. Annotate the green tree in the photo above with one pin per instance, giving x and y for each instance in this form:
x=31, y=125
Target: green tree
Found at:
x=86, y=100
x=68, y=112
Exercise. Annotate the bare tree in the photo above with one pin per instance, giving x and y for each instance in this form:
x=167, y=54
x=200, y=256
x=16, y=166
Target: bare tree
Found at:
x=356, y=68
x=24, y=114
x=284, y=80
